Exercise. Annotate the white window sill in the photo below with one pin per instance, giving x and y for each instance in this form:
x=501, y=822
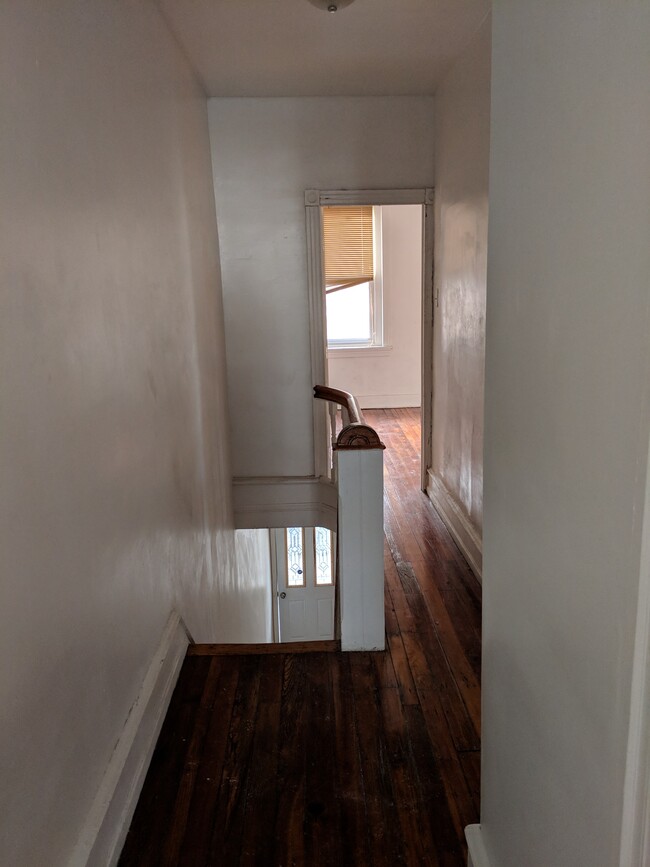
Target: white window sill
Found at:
x=358, y=351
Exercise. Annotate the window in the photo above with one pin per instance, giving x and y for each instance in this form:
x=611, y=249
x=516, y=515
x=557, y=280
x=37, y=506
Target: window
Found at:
x=295, y=542
x=309, y=556
x=353, y=291
x=323, y=556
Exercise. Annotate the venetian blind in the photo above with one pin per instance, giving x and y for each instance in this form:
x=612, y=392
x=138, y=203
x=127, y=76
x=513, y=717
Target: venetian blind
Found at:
x=347, y=245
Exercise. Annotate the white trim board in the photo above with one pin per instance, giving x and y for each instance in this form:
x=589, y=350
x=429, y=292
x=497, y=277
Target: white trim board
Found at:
x=102, y=838
x=477, y=856
x=284, y=501
x=334, y=352
x=635, y=833
x=462, y=531
x=417, y=196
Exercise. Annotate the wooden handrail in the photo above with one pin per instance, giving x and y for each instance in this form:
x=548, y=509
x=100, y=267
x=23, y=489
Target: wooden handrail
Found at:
x=356, y=434
x=343, y=398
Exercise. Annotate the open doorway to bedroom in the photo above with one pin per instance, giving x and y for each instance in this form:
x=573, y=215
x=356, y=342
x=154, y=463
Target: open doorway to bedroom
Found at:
x=373, y=289
x=370, y=255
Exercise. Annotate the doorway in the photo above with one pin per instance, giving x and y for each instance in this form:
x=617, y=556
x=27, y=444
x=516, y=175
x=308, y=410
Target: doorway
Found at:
x=373, y=301
x=365, y=350
x=303, y=566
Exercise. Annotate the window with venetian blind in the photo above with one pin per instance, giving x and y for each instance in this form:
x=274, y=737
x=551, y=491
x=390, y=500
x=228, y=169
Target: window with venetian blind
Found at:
x=351, y=237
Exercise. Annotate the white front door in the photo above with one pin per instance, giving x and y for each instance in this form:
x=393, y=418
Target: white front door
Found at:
x=305, y=580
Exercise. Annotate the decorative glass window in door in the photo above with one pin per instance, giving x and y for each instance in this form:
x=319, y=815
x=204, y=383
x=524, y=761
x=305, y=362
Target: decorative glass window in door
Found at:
x=308, y=556
x=295, y=541
x=324, y=556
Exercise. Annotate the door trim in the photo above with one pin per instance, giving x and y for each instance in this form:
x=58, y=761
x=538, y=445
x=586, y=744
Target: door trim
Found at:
x=274, y=586
x=314, y=201
x=635, y=832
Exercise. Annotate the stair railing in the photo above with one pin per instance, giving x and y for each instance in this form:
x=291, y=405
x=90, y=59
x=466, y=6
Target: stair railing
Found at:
x=358, y=471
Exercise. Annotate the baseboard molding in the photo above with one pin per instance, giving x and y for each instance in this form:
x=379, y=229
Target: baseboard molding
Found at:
x=477, y=855
x=103, y=837
x=284, y=501
x=291, y=647
x=458, y=524
x=388, y=401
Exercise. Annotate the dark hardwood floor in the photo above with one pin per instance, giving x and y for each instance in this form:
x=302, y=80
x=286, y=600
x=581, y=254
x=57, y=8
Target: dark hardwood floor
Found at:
x=329, y=758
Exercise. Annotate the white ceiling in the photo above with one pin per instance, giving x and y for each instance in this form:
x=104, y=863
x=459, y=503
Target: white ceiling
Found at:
x=291, y=48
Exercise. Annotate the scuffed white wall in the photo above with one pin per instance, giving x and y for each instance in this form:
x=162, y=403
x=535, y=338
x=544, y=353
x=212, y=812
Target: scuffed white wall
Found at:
x=391, y=377
x=266, y=153
x=114, y=461
x=567, y=424
x=461, y=188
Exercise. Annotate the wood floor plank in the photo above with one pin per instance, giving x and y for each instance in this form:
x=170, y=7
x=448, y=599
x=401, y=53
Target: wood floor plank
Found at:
x=198, y=829
x=440, y=737
x=384, y=839
x=449, y=845
x=292, y=759
x=450, y=665
x=463, y=728
x=463, y=673
x=178, y=824
x=471, y=764
x=467, y=629
x=404, y=678
x=262, y=797
x=417, y=841
x=322, y=807
x=401, y=607
x=351, y=784
x=228, y=827
x=392, y=626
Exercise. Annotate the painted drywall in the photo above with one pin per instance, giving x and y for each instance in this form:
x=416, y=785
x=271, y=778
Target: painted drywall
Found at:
x=391, y=377
x=265, y=154
x=460, y=255
x=567, y=421
x=114, y=450
x=252, y=614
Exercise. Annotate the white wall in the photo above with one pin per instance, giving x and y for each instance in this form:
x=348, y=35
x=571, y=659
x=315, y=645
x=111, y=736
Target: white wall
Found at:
x=251, y=617
x=114, y=464
x=390, y=377
x=461, y=188
x=266, y=153
x=567, y=422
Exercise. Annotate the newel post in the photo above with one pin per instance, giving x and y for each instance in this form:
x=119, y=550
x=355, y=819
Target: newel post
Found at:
x=361, y=547
x=359, y=471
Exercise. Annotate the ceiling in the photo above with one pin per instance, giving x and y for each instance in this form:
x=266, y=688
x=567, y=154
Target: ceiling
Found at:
x=291, y=48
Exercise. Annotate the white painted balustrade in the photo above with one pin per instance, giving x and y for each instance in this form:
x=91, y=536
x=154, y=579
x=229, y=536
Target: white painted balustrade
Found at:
x=359, y=476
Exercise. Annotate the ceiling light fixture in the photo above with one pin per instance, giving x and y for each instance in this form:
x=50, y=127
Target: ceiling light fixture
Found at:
x=330, y=5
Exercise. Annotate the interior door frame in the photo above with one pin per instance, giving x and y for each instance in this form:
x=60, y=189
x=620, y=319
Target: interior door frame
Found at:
x=314, y=201
x=635, y=834
x=274, y=585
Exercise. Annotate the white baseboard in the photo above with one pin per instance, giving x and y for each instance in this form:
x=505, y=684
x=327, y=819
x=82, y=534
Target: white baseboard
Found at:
x=388, y=401
x=463, y=532
x=477, y=855
x=103, y=837
x=284, y=501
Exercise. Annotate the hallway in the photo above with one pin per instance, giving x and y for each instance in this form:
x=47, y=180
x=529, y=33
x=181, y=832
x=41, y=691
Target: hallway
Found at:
x=329, y=758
